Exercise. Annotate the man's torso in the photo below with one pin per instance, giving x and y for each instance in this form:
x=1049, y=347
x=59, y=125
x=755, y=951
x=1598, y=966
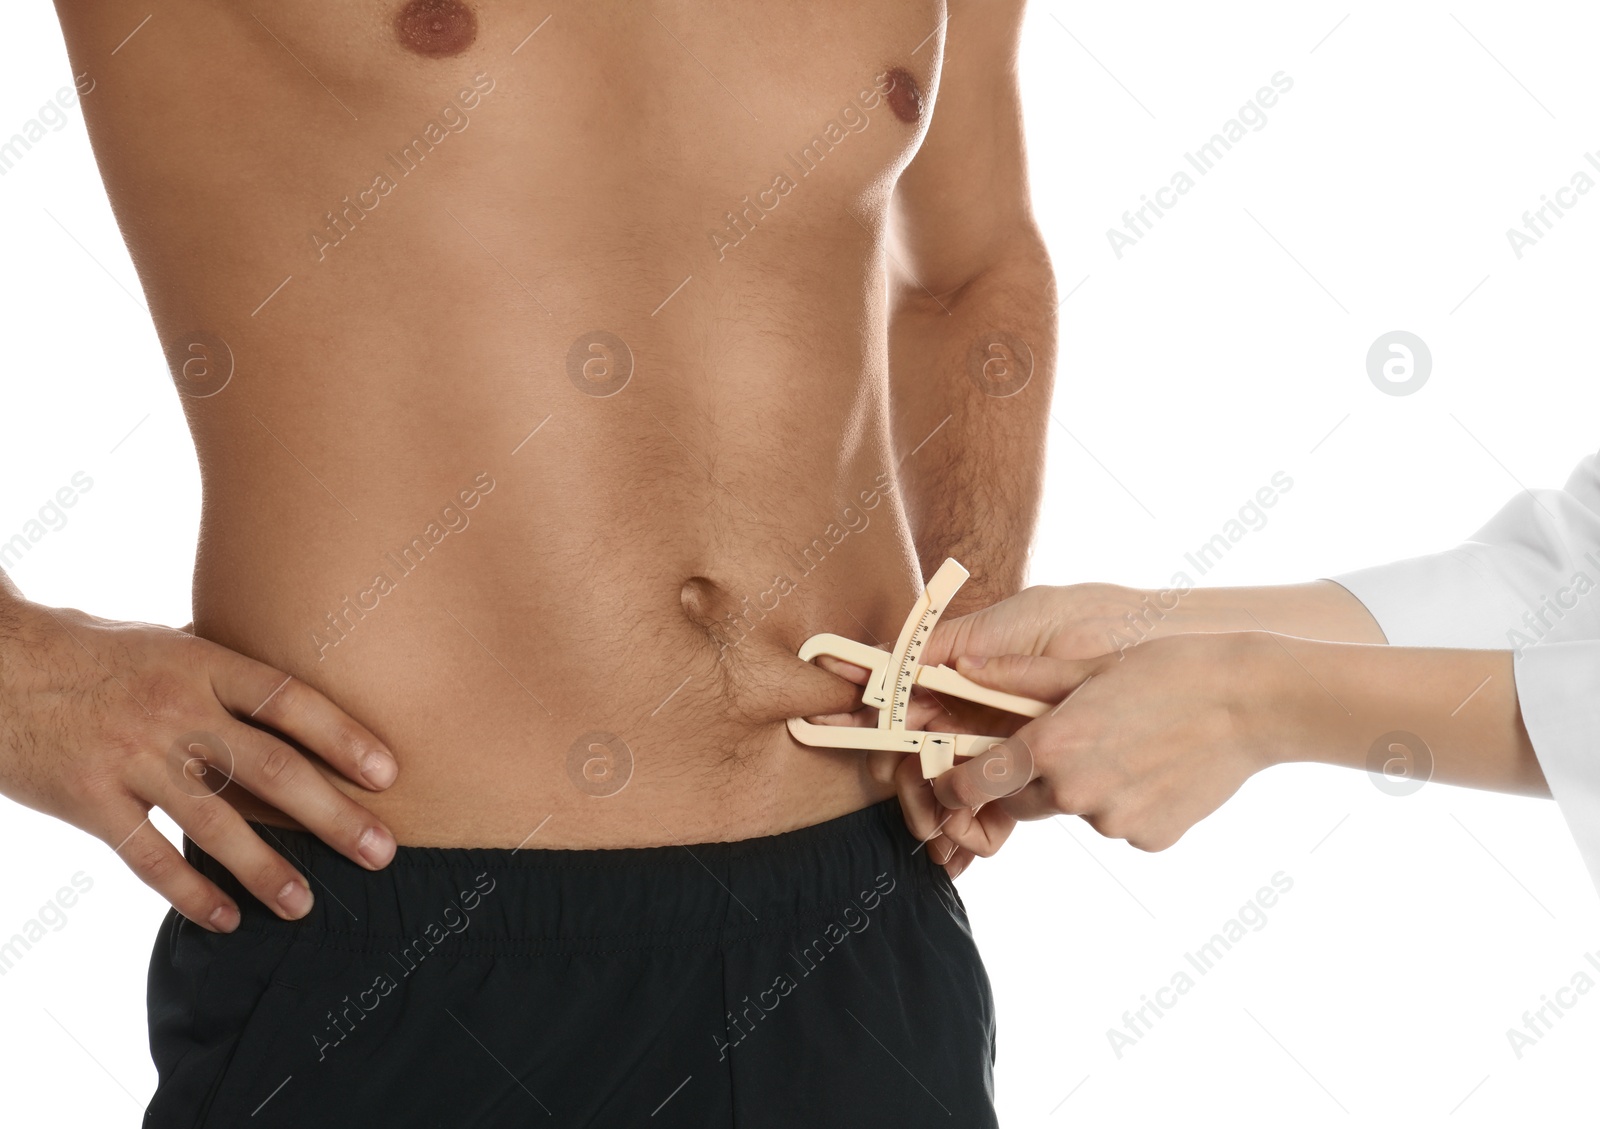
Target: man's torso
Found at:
x=536, y=364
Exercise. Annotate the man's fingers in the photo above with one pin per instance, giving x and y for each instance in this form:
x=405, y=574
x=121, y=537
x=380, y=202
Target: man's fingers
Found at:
x=273, y=771
x=160, y=866
x=261, y=694
x=219, y=830
x=1032, y=676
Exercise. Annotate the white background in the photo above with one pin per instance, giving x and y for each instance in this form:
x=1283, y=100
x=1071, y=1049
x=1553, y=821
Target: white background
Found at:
x=1229, y=344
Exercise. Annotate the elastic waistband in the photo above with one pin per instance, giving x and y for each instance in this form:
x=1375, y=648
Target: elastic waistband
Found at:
x=552, y=901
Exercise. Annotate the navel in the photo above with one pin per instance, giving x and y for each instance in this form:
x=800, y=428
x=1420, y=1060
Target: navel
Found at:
x=702, y=601
x=903, y=96
x=436, y=28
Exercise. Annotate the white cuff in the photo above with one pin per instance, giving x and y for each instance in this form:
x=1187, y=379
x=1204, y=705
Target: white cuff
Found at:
x=1531, y=575
x=1450, y=599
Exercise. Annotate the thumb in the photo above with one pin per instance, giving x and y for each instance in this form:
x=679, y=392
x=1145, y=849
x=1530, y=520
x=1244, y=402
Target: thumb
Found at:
x=1003, y=770
x=1032, y=676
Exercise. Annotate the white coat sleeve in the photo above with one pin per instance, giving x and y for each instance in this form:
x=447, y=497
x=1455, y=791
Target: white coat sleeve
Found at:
x=1527, y=582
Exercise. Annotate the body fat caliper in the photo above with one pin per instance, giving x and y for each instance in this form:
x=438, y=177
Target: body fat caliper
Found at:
x=894, y=673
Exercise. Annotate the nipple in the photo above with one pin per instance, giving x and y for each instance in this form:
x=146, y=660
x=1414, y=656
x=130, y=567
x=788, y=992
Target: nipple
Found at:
x=904, y=97
x=436, y=28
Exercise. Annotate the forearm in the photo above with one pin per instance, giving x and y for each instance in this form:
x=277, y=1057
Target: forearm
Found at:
x=1318, y=610
x=971, y=375
x=1336, y=702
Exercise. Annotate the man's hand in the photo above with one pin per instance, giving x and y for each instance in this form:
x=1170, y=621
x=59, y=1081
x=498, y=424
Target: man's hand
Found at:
x=100, y=722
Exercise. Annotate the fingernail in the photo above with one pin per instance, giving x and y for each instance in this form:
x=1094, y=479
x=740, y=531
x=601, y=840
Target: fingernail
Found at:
x=378, y=768
x=295, y=899
x=975, y=661
x=224, y=919
x=829, y=719
x=376, y=846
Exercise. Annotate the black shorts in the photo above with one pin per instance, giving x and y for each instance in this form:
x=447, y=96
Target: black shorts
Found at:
x=823, y=977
